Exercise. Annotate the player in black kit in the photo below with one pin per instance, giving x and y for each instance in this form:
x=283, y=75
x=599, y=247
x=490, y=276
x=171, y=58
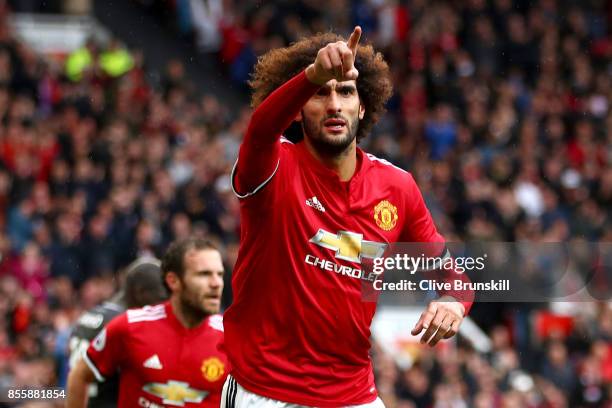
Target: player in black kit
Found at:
x=143, y=286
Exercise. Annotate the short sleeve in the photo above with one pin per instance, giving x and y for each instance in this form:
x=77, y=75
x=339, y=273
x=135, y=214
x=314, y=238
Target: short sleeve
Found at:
x=103, y=354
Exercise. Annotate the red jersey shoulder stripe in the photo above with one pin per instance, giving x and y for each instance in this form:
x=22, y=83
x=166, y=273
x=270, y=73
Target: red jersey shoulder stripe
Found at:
x=216, y=322
x=375, y=159
x=147, y=313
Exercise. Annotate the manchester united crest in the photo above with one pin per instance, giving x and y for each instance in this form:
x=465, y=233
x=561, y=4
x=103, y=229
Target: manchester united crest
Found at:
x=212, y=369
x=385, y=215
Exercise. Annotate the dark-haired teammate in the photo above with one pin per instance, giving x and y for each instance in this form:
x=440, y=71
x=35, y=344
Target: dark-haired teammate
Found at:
x=298, y=332
x=166, y=355
x=143, y=286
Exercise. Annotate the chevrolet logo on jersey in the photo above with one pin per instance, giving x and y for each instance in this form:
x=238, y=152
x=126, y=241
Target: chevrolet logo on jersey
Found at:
x=175, y=393
x=349, y=246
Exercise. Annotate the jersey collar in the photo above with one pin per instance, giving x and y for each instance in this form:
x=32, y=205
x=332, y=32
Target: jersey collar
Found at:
x=315, y=165
x=177, y=323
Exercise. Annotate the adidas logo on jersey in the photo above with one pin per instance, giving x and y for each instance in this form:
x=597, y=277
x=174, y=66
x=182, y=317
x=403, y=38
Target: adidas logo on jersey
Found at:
x=153, y=362
x=315, y=203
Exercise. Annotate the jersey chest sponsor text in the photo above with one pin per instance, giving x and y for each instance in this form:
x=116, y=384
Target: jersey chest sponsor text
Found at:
x=348, y=246
x=164, y=376
x=342, y=250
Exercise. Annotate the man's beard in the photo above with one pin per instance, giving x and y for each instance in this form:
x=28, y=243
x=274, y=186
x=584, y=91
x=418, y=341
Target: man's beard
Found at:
x=191, y=307
x=325, y=144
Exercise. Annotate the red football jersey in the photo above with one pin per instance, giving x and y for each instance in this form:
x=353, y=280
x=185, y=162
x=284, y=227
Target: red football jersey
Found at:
x=161, y=363
x=298, y=329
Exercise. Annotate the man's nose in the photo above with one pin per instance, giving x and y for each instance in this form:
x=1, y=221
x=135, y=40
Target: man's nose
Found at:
x=216, y=281
x=333, y=103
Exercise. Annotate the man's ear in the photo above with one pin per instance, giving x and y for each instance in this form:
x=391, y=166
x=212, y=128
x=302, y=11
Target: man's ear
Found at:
x=173, y=281
x=298, y=117
x=361, y=110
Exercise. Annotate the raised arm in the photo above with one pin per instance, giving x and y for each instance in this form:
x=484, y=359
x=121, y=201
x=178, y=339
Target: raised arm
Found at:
x=260, y=149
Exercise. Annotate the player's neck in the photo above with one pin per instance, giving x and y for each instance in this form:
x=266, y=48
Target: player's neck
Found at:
x=185, y=315
x=343, y=164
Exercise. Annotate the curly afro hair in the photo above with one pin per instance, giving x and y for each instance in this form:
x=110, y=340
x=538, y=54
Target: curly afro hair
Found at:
x=279, y=65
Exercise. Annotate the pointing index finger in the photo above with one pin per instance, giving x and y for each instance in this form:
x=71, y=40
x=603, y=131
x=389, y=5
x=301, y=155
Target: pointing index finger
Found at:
x=353, y=40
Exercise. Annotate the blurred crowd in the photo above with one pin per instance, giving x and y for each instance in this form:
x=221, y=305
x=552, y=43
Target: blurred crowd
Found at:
x=501, y=112
x=461, y=378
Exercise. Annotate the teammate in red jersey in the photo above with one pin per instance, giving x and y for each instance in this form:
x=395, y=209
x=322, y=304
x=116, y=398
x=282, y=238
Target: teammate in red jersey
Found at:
x=298, y=331
x=143, y=286
x=167, y=355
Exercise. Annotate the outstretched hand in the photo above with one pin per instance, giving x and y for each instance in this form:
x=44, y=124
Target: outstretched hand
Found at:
x=441, y=320
x=336, y=61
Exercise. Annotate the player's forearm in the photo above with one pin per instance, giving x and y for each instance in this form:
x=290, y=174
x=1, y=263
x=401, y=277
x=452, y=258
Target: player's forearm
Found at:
x=78, y=383
x=76, y=396
x=466, y=297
